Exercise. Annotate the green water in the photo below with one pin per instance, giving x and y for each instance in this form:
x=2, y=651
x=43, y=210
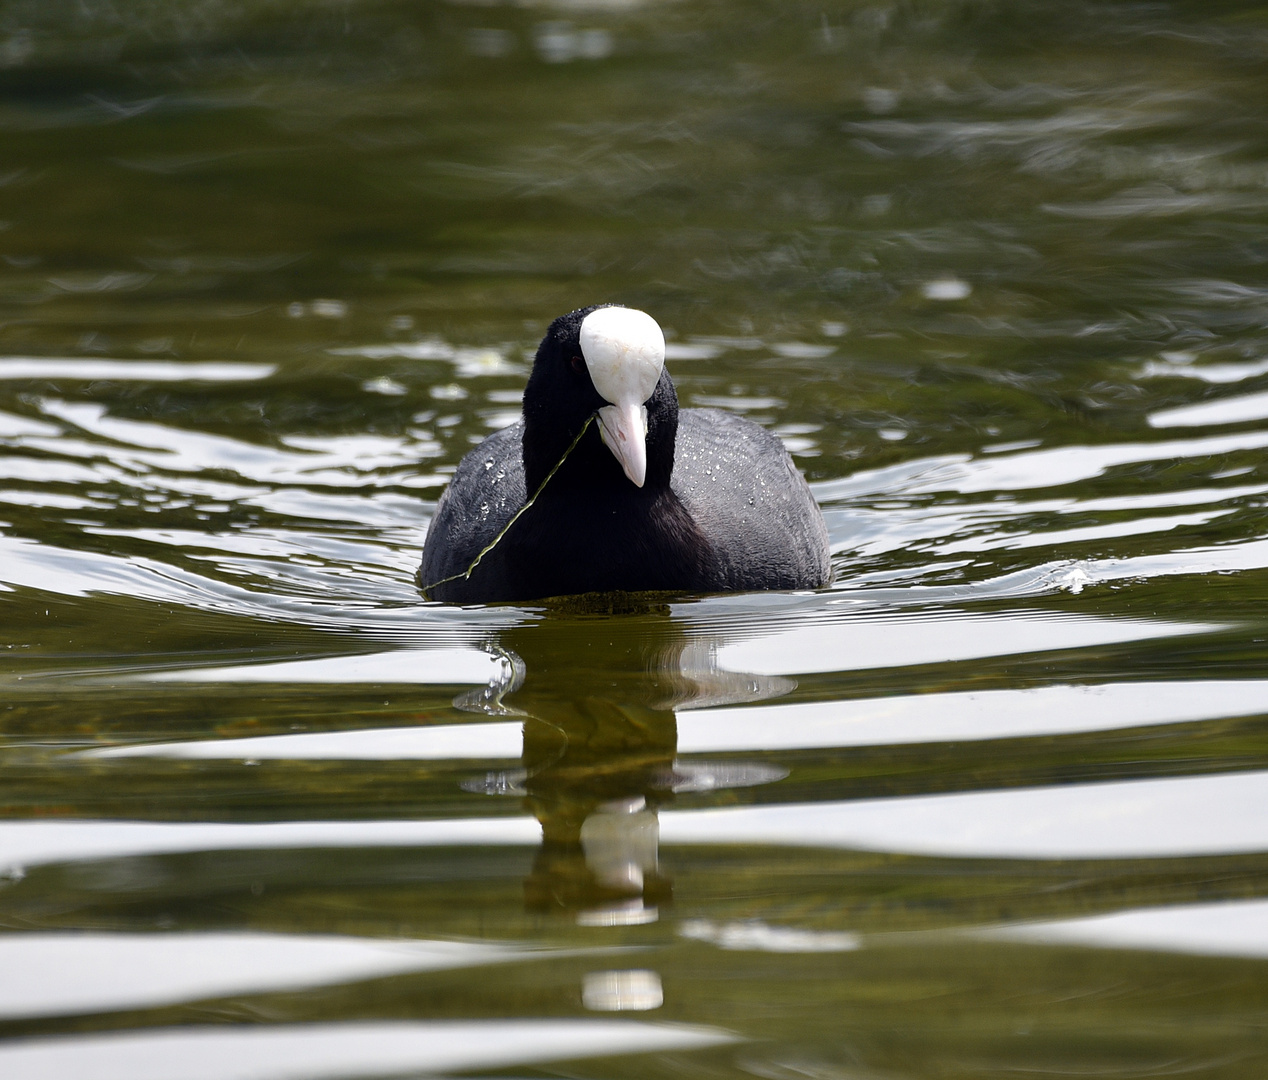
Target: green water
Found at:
x=993, y=805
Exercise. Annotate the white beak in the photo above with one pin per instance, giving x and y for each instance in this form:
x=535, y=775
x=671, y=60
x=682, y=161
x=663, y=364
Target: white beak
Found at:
x=623, y=429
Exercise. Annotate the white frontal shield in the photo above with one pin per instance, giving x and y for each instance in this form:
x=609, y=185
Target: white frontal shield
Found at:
x=624, y=351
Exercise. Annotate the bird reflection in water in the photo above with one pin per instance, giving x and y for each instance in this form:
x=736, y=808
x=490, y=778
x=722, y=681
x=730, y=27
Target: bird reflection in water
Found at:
x=598, y=694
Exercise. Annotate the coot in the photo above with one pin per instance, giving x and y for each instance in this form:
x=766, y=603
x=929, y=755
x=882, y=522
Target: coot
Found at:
x=631, y=494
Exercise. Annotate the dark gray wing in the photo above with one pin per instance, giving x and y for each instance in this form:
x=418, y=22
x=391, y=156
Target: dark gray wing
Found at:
x=485, y=492
x=741, y=487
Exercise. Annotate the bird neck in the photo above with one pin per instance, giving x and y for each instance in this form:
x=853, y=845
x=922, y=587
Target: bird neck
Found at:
x=588, y=467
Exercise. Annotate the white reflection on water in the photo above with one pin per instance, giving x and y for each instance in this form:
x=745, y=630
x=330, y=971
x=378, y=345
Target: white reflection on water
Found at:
x=339, y=1050
x=877, y=529
x=1059, y=466
x=399, y=666
x=1216, y=558
x=1181, y=366
x=142, y=446
x=470, y=362
x=880, y=642
x=13, y=426
x=691, y=351
x=1028, y=470
x=498, y=740
x=1231, y=410
x=917, y=718
x=1016, y=541
x=58, y=367
x=1228, y=928
x=1157, y=201
x=622, y=991
x=34, y=843
x=1202, y=815
x=46, y=974
x=1005, y=521
x=753, y=935
x=79, y=573
x=945, y=289
x=981, y=714
x=1195, y=815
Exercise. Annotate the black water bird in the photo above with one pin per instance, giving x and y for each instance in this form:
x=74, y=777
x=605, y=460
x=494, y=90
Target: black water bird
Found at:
x=634, y=494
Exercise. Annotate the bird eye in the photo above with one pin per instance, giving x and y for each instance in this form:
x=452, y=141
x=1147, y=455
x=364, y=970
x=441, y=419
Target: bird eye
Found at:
x=578, y=365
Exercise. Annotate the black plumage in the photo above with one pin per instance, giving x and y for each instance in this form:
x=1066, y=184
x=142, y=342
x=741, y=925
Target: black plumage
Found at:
x=722, y=507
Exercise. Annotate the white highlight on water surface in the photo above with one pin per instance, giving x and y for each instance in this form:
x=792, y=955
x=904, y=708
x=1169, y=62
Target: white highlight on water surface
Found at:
x=1195, y=815
x=337, y=462
x=1225, y=928
x=47, y=974
x=1181, y=365
x=469, y=362
x=1018, y=541
x=339, y=1051
x=691, y=350
x=1188, y=816
x=25, y=844
x=1215, y=558
x=622, y=991
x=398, y=666
x=61, y=367
x=1057, y=466
x=13, y=426
x=877, y=642
x=967, y=715
x=736, y=403
x=801, y=350
x=946, y=289
x=385, y=385
x=498, y=740
x=557, y=42
x=753, y=935
x=1230, y=410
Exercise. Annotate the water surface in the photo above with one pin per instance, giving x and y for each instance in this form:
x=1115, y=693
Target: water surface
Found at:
x=991, y=805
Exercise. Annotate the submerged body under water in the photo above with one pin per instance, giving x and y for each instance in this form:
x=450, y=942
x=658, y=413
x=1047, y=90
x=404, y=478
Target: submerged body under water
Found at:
x=990, y=803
